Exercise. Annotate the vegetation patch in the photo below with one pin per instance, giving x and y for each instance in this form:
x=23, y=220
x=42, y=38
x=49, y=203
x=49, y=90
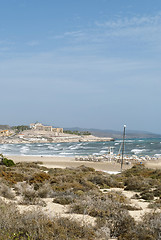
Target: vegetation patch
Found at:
x=79, y=188
x=5, y=161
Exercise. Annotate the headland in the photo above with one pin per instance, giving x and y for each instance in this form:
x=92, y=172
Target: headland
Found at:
x=41, y=136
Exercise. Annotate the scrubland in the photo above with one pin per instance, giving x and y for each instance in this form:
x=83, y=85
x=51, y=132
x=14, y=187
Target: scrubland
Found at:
x=26, y=188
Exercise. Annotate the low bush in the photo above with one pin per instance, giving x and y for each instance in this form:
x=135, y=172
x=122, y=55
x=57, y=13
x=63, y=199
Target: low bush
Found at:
x=147, y=195
x=10, y=176
x=7, y=162
x=44, y=190
x=39, y=177
x=156, y=204
x=135, y=183
x=35, y=226
x=6, y=192
x=152, y=222
x=117, y=197
x=64, y=200
x=157, y=191
x=109, y=213
x=29, y=195
x=104, y=181
x=141, y=171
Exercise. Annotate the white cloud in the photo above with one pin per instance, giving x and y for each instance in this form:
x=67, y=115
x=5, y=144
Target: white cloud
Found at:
x=33, y=43
x=144, y=28
x=138, y=33
x=134, y=21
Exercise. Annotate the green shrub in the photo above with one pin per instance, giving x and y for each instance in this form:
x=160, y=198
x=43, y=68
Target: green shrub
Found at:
x=156, y=204
x=104, y=181
x=135, y=183
x=147, y=195
x=7, y=162
x=157, y=191
x=64, y=200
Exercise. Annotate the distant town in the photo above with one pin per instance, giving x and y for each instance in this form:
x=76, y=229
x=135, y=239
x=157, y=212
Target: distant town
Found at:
x=39, y=133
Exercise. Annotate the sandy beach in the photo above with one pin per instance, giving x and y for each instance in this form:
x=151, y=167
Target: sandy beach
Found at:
x=63, y=162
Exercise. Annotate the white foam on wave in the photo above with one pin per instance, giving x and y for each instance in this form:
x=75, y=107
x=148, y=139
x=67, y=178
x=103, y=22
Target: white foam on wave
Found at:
x=51, y=147
x=157, y=155
x=4, y=146
x=103, y=151
x=39, y=145
x=136, y=151
x=73, y=148
x=65, y=153
x=112, y=172
x=24, y=149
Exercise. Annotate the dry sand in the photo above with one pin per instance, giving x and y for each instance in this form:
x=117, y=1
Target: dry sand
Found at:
x=63, y=162
x=155, y=164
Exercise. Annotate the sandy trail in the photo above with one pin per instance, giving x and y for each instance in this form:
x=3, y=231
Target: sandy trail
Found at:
x=139, y=203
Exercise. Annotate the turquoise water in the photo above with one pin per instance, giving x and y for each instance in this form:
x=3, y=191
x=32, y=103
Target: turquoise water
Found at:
x=140, y=147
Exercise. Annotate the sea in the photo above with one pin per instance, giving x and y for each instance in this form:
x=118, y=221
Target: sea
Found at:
x=139, y=147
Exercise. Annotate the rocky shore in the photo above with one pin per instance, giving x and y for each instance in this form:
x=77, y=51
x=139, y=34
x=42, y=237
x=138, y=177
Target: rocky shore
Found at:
x=32, y=136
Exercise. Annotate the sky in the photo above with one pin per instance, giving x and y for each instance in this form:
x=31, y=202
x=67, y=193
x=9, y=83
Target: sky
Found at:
x=81, y=63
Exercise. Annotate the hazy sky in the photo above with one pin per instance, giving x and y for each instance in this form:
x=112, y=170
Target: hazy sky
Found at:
x=85, y=63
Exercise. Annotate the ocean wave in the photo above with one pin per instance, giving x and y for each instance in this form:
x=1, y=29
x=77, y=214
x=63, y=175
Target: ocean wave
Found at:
x=24, y=149
x=137, y=151
x=116, y=143
x=103, y=151
x=51, y=147
x=157, y=155
x=83, y=148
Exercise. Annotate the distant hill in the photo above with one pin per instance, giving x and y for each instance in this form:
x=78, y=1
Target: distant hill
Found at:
x=117, y=134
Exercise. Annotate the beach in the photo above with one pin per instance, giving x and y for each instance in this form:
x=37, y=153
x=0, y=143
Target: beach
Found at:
x=63, y=162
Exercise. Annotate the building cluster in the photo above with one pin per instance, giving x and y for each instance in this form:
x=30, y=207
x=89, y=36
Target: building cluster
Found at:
x=4, y=133
x=41, y=127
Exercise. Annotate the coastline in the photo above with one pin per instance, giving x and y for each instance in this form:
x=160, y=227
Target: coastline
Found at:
x=31, y=136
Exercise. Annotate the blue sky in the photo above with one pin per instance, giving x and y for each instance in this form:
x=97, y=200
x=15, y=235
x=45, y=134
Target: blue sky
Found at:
x=84, y=63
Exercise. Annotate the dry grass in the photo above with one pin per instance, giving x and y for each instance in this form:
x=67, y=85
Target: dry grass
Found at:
x=80, y=189
x=36, y=226
x=6, y=191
